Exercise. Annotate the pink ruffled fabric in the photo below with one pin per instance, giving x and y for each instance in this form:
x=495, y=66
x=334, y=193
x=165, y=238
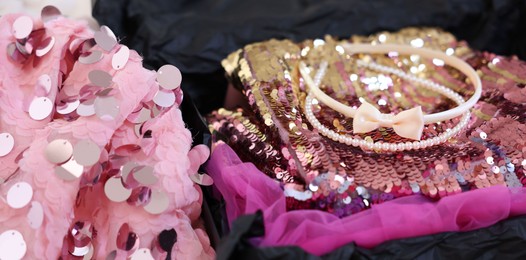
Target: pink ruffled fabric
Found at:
x=64, y=203
x=246, y=190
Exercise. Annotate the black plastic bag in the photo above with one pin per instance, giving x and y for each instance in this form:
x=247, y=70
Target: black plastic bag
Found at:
x=504, y=240
x=195, y=35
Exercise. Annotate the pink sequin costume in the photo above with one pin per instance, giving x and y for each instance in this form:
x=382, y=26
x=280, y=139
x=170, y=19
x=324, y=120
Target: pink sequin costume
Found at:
x=101, y=163
x=320, y=194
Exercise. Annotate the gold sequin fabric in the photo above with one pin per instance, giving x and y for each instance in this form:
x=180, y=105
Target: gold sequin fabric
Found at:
x=319, y=173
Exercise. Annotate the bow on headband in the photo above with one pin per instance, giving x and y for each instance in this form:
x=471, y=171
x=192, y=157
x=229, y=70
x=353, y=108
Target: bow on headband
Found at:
x=408, y=123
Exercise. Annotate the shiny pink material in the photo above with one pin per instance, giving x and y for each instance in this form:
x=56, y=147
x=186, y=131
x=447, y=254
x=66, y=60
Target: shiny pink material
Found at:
x=81, y=201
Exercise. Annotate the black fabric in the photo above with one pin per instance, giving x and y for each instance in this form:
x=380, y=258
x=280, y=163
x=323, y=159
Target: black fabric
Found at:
x=504, y=240
x=195, y=35
x=213, y=210
x=195, y=122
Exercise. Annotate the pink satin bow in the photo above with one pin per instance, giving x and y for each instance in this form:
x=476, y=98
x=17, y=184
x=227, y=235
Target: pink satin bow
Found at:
x=408, y=123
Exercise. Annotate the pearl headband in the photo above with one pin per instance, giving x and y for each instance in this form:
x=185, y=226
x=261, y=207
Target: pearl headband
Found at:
x=383, y=146
x=409, y=123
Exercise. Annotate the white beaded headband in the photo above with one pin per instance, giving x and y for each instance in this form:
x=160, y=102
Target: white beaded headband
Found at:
x=386, y=146
x=409, y=123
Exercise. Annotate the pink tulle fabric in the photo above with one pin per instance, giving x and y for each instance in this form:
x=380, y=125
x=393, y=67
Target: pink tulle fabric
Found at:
x=168, y=150
x=246, y=190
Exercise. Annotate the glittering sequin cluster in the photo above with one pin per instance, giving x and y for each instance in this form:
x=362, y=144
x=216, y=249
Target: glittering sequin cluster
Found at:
x=116, y=170
x=319, y=173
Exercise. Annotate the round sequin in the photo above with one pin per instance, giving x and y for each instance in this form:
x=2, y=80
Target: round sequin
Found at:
x=91, y=57
x=142, y=254
x=158, y=203
x=45, y=46
x=68, y=107
x=120, y=58
x=166, y=240
x=14, y=54
x=144, y=175
x=361, y=190
x=7, y=143
x=12, y=245
x=495, y=169
x=490, y=160
x=169, y=77
x=106, y=108
x=140, y=117
x=105, y=38
x=59, y=151
x=25, y=49
x=45, y=82
x=164, y=98
x=70, y=170
x=86, y=153
x=127, y=168
x=115, y=191
x=86, y=108
x=49, y=13
x=40, y=108
x=22, y=27
x=35, y=216
x=105, y=29
x=19, y=195
x=126, y=239
x=140, y=196
x=100, y=78
x=202, y=179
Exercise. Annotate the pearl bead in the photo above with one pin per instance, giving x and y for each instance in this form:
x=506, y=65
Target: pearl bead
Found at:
x=409, y=145
x=400, y=146
x=428, y=142
x=431, y=142
x=355, y=142
x=392, y=147
x=416, y=145
x=385, y=146
x=377, y=146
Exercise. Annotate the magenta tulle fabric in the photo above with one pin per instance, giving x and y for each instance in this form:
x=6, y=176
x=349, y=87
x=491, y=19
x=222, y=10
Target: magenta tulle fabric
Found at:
x=247, y=190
